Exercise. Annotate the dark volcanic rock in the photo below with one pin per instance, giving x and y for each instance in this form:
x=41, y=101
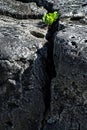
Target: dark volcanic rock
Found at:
x=69, y=87
x=23, y=75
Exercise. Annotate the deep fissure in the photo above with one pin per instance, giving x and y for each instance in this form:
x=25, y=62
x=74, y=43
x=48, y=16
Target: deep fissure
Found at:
x=50, y=67
x=51, y=73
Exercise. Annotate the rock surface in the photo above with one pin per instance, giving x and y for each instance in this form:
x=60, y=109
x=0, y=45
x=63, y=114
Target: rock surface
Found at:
x=68, y=107
x=20, y=10
x=70, y=9
x=69, y=87
x=23, y=76
x=31, y=98
x=21, y=86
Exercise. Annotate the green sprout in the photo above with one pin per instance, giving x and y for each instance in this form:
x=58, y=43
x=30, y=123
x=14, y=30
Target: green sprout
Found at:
x=50, y=18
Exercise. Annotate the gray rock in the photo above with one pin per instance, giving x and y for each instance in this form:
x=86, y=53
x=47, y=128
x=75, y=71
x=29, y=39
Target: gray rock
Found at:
x=21, y=10
x=70, y=7
x=73, y=9
x=23, y=75
x=26, y=66
x=69, y=87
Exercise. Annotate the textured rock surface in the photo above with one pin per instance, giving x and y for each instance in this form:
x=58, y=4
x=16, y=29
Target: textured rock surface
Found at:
x=68, y=107
x=69, y=88
x=70, y=9
x=21, y=10
x=26, y=66
x=23, y=75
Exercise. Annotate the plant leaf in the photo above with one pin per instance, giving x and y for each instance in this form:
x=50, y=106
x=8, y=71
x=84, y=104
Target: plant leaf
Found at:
x=49, y=18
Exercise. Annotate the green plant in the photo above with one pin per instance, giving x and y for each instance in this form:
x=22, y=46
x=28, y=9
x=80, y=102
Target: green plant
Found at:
x=50, y=18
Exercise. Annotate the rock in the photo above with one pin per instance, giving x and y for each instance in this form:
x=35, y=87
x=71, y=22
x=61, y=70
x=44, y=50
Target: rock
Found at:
x=23, y=75
x=70, y=9
x=32, y=96
x=69, y=88
x=21, y=10
x=68, y=103
x=24, y=61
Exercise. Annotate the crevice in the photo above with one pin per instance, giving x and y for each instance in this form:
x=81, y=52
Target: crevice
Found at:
x=50, y=69
x=79, y=127
x=76, y=18
x=60, y=110
x=20, y=16
x=9, y=124
x=85, y=4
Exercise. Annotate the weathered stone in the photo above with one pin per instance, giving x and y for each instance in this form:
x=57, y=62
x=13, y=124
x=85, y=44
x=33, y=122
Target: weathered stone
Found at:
x=26, y=66
x=23, y=75
x=69, y=87
x=21, y=10
x=72, y=9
